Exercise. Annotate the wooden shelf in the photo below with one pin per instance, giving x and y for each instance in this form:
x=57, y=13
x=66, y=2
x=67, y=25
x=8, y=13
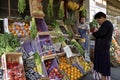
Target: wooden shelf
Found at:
x=42, y=33
x=60, y=54
x=46, y=57
x=77, y=35
x=65, y=35
x=25, y=38
x=51, y=56
x=53, y=36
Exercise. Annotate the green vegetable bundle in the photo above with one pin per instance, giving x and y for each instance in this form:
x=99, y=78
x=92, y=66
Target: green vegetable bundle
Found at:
x=8, y=43
x=38, y=63
x=61, y=10
x=50, y=9
x=33, y=30
x=21, y=6
x=75, y=43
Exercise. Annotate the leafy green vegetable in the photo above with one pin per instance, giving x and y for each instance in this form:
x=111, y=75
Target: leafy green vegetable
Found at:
x=38, y=62
x=93, y=24
x=33, y=30
x=75, y=43
x=84, y=12
x=8, y=43
x=61, y=10
x=21, y=6
x=50, y=9
x=54, y=23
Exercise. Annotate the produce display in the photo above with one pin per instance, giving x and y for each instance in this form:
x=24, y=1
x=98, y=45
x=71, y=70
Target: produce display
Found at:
x=28, y=47
x=13, y=66
x=61, y=10
x=41, y=58
x=72, y=72
x=33, y=30
x=45, y=45
x=50, y=9
x=38, y=63
x=21, y=6
x=75, y=43
x=16, y=72
x=63, y=59
x=72, y=5
x=85, y=65
x=36, y=8
x=41, y=25
x=52, y=69
x=20, y=29
x=115, y=52
x=33, y=67
x=34, y=51
x=8, y=43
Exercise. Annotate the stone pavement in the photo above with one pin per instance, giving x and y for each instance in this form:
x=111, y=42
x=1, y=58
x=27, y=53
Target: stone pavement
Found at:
x=115, y=74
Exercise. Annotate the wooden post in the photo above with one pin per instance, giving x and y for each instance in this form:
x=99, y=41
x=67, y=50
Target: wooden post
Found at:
x=9, y=8
x=80, y=3
x=65, y=7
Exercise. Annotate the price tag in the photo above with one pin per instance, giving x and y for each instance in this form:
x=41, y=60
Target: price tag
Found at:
x=68, y=51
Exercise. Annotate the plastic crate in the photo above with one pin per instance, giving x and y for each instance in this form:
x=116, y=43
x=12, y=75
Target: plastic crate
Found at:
x=52, y=71
x=41, y=25
x=44, y=45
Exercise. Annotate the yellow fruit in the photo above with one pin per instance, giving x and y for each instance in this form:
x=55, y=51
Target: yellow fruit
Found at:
x=70, y=4
x=81, y=8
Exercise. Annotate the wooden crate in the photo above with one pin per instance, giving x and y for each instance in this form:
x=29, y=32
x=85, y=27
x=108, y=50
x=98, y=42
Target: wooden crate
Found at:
x=74, y=29
x=34, y=6
x=20, y=28
x=9, y=65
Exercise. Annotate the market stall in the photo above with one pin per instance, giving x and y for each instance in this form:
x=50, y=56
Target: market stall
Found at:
x=34, y=49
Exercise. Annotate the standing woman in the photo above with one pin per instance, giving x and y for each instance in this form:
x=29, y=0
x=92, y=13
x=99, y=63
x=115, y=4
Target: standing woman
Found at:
x=103, y=39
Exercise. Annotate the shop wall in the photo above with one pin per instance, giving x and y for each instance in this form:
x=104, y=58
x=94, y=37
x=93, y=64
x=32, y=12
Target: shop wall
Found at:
x=93, y=7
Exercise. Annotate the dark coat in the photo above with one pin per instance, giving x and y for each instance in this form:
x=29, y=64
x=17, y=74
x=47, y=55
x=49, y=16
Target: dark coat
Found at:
x=103, y=39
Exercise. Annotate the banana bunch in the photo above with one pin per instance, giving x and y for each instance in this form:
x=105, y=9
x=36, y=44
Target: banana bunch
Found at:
x=73, y=5
x=85, y=65
x=81, y=8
